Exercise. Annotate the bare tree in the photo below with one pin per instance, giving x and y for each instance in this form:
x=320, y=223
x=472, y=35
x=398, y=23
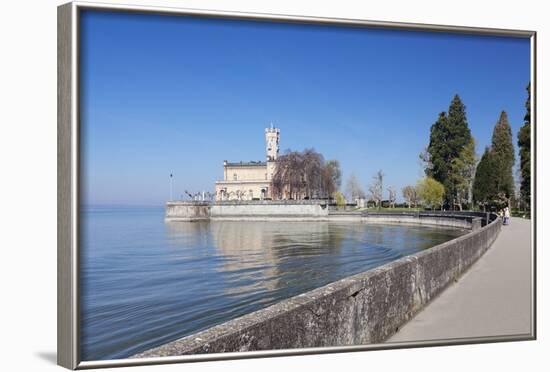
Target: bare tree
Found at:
x=312, y=163
x=392, y=196
x=425, y=161
x=288, y=179
x=333, y=170
x=301, y=175
x=376, y=188
x=354, y=189
x=410, y=195
x=462, y=174
x=328, y=187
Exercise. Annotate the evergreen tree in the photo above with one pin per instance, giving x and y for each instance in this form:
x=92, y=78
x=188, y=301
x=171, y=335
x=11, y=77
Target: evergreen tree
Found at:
x=458, y=125
x=503, y=155
x=484, y=188
x=524, y=143
x=438, y=150
x=449, y=135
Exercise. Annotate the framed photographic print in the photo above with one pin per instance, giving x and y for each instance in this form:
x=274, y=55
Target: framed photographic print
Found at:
x=236, y=185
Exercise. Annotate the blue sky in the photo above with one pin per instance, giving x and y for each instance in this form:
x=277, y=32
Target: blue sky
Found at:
x=165, y=94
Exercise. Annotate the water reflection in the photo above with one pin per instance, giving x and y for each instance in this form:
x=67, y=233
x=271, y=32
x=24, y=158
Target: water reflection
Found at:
x=145, y=282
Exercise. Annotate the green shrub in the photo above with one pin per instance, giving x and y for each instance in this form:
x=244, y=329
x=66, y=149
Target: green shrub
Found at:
x=340, y=199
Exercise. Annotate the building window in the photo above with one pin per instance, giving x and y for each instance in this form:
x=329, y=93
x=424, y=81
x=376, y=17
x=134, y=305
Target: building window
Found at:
x=235, y=176
x=266, y=176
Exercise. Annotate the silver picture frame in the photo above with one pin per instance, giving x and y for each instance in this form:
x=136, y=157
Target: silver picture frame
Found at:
x=68, y=181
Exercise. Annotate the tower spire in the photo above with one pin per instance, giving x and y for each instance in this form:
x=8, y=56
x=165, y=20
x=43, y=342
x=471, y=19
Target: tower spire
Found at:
x=272, y=142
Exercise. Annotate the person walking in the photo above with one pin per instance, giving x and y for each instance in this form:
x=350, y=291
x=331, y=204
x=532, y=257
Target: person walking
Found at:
x=506, y=216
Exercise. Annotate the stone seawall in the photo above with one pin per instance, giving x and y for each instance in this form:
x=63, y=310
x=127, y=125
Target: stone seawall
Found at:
x=262, y=211
x=187, y=211
x=458, y=221
x=246, y=210
x=311, y=210
x=366, y=308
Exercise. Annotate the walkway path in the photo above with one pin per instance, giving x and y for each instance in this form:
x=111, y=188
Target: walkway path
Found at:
x=493, y=298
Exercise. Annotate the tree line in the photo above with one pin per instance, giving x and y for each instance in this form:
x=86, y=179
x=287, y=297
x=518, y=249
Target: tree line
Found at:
x=427, y=192
x=455, y=179
x=488, y=183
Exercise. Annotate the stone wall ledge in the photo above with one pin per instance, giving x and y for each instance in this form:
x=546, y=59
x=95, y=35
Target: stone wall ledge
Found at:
x=458, y=222
x=271, y=202
x=309, y=210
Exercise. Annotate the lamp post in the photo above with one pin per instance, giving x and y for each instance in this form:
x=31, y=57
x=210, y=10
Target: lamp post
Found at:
x=171, y=187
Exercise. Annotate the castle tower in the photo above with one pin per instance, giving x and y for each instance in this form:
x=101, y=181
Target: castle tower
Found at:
x=272, y=136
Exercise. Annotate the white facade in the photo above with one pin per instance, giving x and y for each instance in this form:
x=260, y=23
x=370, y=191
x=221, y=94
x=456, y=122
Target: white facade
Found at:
x=250, y=180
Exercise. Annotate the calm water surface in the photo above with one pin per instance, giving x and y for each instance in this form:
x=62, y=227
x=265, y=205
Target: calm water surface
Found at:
x=145, y=282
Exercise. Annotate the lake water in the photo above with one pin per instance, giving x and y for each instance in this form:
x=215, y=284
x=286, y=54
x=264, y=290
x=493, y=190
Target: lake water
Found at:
x=145, y=282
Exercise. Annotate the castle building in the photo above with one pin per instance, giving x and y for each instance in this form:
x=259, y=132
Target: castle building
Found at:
x=250, y=180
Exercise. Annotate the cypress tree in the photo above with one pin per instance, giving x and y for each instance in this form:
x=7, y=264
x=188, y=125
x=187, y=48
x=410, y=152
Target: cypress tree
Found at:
x=449, y=135
x=460, y=134
x=524, y=144
x=484, y=188
x=438, y=149
x=503, y=153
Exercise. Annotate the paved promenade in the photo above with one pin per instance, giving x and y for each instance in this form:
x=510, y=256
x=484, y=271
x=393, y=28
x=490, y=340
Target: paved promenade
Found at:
x=493, y=298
